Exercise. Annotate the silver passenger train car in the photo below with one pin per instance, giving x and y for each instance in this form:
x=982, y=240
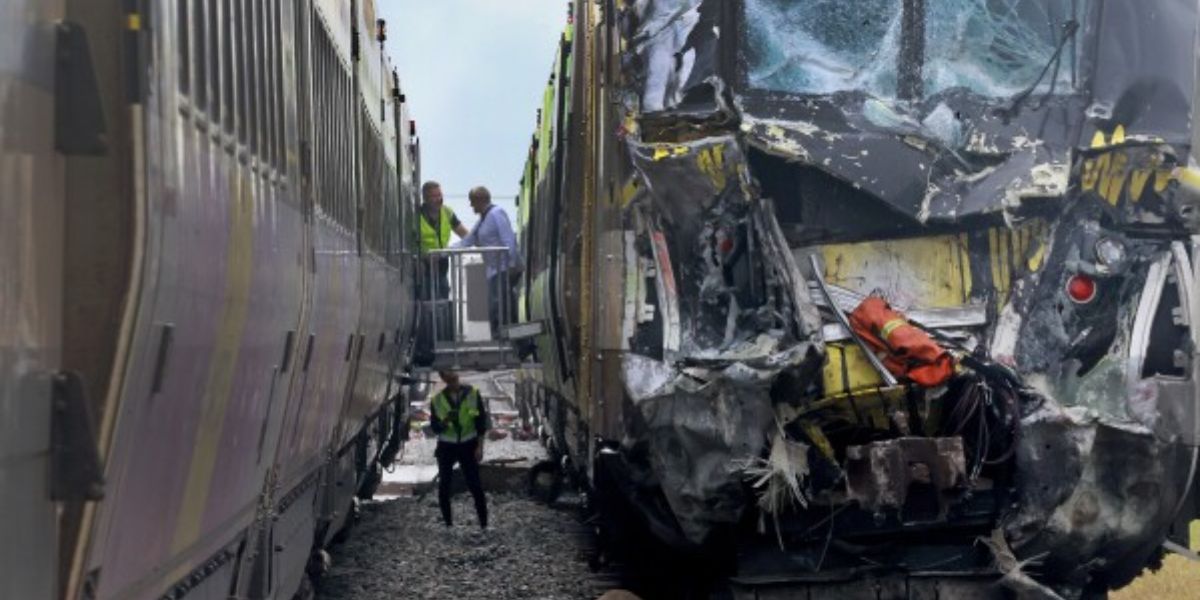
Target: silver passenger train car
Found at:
x=205, y=260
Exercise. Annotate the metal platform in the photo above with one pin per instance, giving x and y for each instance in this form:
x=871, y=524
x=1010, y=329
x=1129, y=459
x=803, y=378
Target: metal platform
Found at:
x=474, y=356
x=456, y=310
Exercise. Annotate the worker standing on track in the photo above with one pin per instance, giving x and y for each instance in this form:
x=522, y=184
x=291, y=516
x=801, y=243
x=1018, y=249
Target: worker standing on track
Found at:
x=503, y=270
x=459, y=417
x=437, y=222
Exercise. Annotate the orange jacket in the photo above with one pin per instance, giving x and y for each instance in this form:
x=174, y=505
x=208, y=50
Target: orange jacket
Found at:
x=910, y=352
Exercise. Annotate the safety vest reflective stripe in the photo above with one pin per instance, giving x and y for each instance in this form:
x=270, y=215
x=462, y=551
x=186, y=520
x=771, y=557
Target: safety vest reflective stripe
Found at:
x=432, y=239
x=886, y=331
x=458, y=422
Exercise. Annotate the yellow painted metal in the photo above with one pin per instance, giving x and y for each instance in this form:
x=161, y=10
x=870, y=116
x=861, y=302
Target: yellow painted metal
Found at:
x=847, y=370
x=662, y=151
x=1114, y=171
x=868, y=408
x=590, y=162
x=1038, y=258
x=1188, y=176
x=931, y=272
x=628, y=191
x=1118, y=136
x=711, y=161
x=818, y=438
x=217, y=389
x=1011, y=251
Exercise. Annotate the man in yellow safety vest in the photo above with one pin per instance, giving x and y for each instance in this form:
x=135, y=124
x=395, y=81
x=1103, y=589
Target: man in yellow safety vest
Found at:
x=436, y=222
x=459, y=417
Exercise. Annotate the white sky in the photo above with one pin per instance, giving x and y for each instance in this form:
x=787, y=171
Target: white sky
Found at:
x=473, y=72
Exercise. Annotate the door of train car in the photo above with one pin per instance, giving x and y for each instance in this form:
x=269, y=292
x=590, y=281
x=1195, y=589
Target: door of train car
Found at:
x=31, y=233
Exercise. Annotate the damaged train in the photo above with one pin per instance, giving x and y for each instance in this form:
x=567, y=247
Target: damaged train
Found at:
x=890, y=297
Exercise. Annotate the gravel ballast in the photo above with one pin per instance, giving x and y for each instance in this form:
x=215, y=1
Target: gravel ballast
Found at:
x=400, y=549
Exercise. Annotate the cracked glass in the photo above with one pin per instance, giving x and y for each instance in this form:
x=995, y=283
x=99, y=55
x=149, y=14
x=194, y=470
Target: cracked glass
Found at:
x=993, y=48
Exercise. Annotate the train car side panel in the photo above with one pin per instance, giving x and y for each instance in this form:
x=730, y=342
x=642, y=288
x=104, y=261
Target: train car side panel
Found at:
x=31, y=204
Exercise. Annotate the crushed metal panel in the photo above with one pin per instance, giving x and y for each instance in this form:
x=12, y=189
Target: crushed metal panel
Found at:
x=698, y=432
x=1092, y=494
x=929, y=272
x=612, y=278
x=668, y=294
x=919, y=477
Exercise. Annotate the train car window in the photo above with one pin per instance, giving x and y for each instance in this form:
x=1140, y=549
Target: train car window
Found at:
x=326, y=83
x=339, y=202
x=321, y=83
x=373, y=192
x=347, y=162
x=251, y=58
x=319, y=87
x=344, y=164
x=264, y=124
x=329, y=117
x=300, y=89
x=367, y=164
x=348, y=150
x=243, y=98
x=339, y=152
x=393, y=223
x=268, y=83
x=183, y=41
x=280, y=137
x=214, y=62
x=267, y=39
x=323, y=87
x=200, y=52
x=368, y=177
x=385, y=223
x=227, y=75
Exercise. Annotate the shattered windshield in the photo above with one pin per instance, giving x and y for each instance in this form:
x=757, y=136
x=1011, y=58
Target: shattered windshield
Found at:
x=994, y=48
x=824, y=46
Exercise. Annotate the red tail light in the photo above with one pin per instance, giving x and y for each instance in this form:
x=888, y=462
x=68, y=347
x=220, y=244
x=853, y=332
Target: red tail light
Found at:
x=1081, y=288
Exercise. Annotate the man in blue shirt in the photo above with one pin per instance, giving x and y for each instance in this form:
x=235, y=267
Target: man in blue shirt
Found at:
x=503, y=269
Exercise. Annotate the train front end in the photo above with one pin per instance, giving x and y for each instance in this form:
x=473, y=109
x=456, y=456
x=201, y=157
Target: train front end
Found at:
x=909, y=296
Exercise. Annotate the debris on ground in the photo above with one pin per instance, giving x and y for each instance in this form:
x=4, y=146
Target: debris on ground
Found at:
x=502, y=451
x=400, y=549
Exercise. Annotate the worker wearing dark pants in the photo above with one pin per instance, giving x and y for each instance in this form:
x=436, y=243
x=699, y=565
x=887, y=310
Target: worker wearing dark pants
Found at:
x=460, y=419
x=437, y=222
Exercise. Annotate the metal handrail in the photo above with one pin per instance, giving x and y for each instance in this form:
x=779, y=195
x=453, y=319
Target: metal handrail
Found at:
x=448, y=294
x=465, y=250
